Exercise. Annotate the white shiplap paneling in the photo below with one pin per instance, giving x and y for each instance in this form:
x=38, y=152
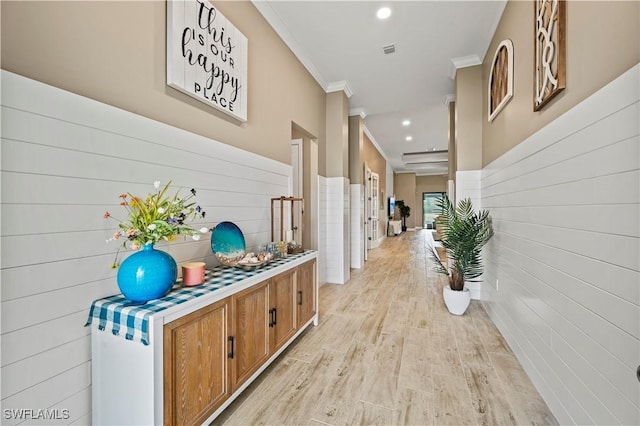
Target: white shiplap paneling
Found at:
x=336, y=217
x=357, y=226
x=563, y=270
x=322, y=230
x=65, y=159
x=468, y=185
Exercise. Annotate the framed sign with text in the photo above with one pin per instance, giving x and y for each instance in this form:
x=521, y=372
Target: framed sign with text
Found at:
x=207, y=56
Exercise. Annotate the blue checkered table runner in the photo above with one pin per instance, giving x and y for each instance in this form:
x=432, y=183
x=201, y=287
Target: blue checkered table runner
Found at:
x=116, y=313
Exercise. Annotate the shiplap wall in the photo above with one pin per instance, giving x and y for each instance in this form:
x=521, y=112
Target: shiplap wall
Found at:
x=334, y=214
x=468, y=185
x=356, y=241
x=562, y=278
x=323, y=216
x=65, y=159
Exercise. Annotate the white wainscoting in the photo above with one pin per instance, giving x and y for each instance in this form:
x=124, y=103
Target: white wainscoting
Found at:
x=468, y=185
x=357, y=226
x=336, y=218
x=322, y=230
x=65, y=160
x=562, y=272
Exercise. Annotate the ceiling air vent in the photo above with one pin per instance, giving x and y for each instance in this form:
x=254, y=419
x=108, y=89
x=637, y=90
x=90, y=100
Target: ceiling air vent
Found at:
x=388, y=49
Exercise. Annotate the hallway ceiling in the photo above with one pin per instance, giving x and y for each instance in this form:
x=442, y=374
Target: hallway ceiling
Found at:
x=341, y=44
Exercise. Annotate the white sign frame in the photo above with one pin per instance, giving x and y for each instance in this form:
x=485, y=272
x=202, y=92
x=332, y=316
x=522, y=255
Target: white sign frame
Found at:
x=207, y=56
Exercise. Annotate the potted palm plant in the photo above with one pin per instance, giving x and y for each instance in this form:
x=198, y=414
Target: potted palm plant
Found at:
x=463, y=233
x=405, y=212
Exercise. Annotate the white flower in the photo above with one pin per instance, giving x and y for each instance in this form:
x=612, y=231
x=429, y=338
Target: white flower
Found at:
x=161, y=210
x=156, y=184
x=151, y=227
x=204, y=230
x=196, y=237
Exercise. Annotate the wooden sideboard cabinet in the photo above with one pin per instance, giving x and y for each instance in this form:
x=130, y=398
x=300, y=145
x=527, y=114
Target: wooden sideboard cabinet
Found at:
x=249, y=338
x=196, y=363
x=203, y=353
x=307, y=292
x=282, y=308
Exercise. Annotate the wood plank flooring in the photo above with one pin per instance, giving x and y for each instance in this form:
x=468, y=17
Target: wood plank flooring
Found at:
x=387, y=352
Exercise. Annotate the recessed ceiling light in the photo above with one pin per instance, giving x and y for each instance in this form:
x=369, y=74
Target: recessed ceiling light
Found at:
x=383, y=13
x=406, y=122
x=408, y=138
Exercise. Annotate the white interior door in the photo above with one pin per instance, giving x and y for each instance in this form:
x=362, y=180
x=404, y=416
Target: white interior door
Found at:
x=367, y=210
x=297, y=165
x=373, y=209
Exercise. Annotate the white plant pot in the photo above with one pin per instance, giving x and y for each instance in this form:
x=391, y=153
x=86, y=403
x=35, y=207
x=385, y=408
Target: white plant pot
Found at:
x=457, y=301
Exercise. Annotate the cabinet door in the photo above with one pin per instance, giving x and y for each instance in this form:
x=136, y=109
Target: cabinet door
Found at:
x=306, y=292
x=250, y=332
x=196, y=382
x=282, y=309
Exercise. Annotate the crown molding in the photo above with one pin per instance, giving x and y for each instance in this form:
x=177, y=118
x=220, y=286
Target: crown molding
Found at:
x=338, y=86
x=373, y=141
x=448, y=99
x=463, y=62
x=358, y=111
x=270, y=15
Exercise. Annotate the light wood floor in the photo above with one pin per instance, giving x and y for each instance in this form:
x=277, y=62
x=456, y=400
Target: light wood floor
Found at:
x=387, y=352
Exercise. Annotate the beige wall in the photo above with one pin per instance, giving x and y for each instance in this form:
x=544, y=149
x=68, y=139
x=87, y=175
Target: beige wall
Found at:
x=404, y=186
x=114, y=52
x=468, y=122
x=356, y=133
x=374, y=160
x=430, y=184
x=602, y=42
x=451, y=139
x=337, y=135
x=377, y=164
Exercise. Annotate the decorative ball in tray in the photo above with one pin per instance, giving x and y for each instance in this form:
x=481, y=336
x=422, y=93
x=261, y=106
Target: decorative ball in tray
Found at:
x=227, y=243
x=249, y=262
x=294, y=248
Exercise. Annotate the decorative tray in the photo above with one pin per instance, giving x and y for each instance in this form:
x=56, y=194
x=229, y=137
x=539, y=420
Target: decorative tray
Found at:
x=248, y=262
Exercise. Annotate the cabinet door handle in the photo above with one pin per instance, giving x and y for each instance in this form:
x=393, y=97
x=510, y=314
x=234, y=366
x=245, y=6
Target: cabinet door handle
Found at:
x=299, y=297
x=271, y=322
x=230, y=354
x=275, y=316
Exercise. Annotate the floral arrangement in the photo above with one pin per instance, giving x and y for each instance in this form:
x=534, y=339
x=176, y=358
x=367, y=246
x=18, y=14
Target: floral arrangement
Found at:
x=156, y=217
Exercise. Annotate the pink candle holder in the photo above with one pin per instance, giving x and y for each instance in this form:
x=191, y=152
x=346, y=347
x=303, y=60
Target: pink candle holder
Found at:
x=192, y=273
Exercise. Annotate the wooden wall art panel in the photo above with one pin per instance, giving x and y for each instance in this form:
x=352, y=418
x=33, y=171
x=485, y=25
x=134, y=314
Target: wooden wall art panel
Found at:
x=549, y=39
x=500, y=79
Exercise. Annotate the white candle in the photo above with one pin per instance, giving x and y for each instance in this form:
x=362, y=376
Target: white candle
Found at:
x=289, y=235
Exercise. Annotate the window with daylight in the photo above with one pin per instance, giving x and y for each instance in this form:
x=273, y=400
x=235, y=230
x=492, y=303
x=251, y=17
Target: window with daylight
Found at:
x=430, y=208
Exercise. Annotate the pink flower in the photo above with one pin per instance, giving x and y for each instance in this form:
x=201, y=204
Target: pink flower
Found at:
x=130, y=232
x=135, y=246
x=107, y=215
x=116, y=235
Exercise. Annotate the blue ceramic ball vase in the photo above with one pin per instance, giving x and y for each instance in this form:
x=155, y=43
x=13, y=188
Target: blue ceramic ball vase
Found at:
x=147, y=274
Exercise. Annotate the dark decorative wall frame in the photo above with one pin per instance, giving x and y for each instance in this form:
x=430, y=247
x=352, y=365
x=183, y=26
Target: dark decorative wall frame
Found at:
x=549, y=51
x=500, y=88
